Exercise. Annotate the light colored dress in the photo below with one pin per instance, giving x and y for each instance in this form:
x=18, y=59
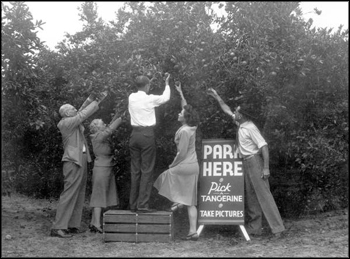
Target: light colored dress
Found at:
x=179, y=182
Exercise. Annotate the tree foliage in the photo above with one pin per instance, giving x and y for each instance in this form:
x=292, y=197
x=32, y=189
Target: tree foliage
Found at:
x=22, y=110
x=262, y=53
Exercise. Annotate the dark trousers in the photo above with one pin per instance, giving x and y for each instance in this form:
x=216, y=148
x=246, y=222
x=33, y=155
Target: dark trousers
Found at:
x=143, y=157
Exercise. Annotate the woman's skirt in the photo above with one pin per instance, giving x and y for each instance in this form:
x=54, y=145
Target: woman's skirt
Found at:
x=104, y=190
x=179, y=184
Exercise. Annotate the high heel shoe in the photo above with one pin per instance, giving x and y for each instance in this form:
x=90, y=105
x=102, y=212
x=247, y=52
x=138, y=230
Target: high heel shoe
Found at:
x=194, y=237
x=95, y=229
x=176, y=206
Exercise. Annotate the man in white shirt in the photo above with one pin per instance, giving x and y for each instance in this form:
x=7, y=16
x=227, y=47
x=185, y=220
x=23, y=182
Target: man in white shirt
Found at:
x=256, y=171
x=142, y=141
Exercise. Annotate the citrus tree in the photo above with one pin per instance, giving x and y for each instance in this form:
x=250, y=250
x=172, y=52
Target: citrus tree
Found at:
x=261, y=53
x=23, y=114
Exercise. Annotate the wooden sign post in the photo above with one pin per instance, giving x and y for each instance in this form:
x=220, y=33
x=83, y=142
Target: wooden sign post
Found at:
x=221, y=185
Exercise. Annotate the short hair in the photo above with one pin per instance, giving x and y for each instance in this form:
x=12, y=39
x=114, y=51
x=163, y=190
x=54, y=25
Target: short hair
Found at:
x=94, y=125
x=191, y=116
x=63, y=109
x=141, y=81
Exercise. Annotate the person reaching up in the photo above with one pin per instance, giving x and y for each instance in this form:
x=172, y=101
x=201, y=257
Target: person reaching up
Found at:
x=179, y=182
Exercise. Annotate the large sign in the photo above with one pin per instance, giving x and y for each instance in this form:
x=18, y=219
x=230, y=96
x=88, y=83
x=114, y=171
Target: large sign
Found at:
x=221, y=184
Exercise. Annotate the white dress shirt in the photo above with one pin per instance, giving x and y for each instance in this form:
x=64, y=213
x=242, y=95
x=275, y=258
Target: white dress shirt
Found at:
x=250, y=139
x=141, y=107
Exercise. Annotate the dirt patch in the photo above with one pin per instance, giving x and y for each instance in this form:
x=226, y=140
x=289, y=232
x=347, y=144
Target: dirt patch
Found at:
x=26, y=226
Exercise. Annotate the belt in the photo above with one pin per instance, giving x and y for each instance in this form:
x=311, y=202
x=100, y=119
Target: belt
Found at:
x=140, y=128
x=143, y=127
x=248, y=157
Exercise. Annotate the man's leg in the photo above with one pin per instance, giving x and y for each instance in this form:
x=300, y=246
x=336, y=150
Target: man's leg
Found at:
x=135, y=155
x=75, y=220
x=69, y=196
x=148, y=162
x=253, y=209
x=264, y=196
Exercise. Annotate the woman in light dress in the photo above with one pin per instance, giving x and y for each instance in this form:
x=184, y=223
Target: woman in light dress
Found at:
x=179, y=182
x=104, y=190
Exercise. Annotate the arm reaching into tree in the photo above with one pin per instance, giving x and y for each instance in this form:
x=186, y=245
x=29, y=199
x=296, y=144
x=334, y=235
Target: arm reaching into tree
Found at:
x=223, y=105
x=89, y=100
x=178, y=88
x=92, y=97
x=118, y=115
x=101, y=96
x=157, y=100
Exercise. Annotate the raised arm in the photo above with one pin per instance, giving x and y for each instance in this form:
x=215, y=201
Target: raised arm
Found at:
x=118, y=115
x=116, y=120
x=223, y=105
x=89, y=100
x=115, y=124
x=92, y=97
x=160, y=99
x=178, y=88
x=72, y=122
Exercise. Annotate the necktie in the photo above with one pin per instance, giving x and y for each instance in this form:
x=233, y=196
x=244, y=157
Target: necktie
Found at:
x=81, y=129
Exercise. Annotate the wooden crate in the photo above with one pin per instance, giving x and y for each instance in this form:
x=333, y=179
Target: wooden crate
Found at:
x=127, y=226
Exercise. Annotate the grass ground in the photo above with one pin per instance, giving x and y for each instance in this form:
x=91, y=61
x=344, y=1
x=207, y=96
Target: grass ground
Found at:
x=26, y=224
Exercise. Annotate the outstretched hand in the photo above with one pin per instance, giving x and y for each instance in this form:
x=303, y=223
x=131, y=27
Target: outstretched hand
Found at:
x=178, y=86
x=123, y=115
x=101, y=96
x=265, y=174
x=119, y=115
x=167, y=77
x=212, y=92
x=119, y=121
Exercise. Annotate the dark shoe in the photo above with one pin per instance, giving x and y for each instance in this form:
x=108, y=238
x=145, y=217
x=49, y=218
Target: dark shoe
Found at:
x=276, y=236
x=133, y=210
x=146, y=210
x=62, y=233
x=176, y=206
x=256, y=237
x=95, y=229
x=75, y=231
x=193, y=237
x=254, y=232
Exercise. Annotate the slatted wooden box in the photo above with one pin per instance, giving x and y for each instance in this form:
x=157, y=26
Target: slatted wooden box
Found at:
x=127, y=226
